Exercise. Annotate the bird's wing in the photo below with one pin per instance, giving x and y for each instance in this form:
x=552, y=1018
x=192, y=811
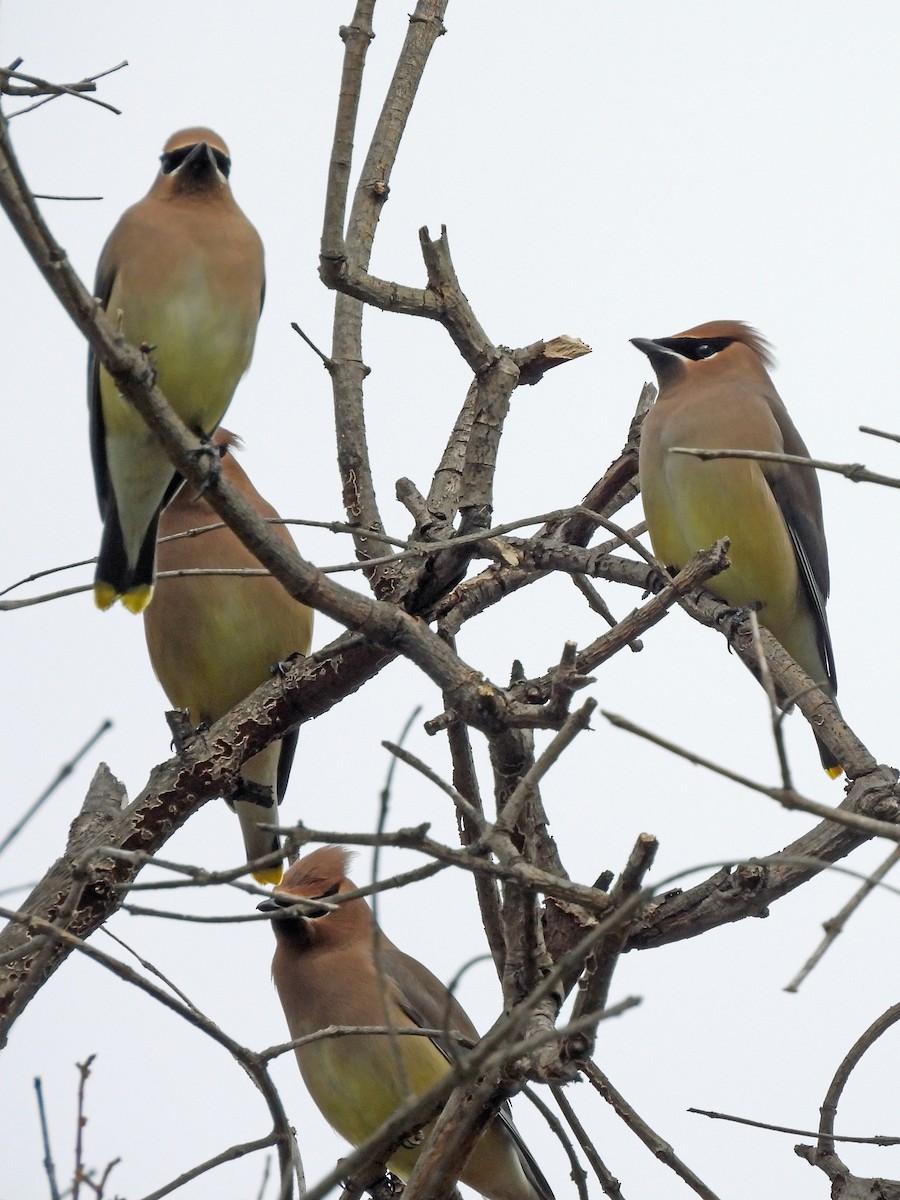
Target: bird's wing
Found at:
x=533, y=1172
x=286, y=761
x=103, y=285
x=425, y=1000
x=428, y=1004
x=796, y=491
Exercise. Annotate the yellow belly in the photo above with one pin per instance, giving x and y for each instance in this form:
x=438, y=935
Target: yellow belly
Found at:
x=690, y=504
x=357, y=1086
x=200, y=348
x=229, y=639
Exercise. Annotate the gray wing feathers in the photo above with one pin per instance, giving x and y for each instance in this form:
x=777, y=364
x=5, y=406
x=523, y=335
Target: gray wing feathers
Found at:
x=796, y=489
x=428, y=1004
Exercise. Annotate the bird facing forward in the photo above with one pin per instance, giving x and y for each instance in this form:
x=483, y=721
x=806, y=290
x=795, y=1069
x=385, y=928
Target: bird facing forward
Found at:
x=213, y=639
x=182, y=276
x=326, y=974
x=715, y=393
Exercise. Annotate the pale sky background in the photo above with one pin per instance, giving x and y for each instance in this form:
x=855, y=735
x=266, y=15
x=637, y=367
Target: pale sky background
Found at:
x=606, y=170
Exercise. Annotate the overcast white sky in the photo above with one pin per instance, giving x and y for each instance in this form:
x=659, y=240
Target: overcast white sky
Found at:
x=606, y=170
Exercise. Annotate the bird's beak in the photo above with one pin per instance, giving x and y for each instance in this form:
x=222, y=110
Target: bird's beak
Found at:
x=201, y=149
x=276, y=903
x=201, y=161
x=666, y=362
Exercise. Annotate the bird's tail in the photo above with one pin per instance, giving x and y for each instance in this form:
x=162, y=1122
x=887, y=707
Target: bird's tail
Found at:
x=829, y=762
x=115, y=577
x=255, y=805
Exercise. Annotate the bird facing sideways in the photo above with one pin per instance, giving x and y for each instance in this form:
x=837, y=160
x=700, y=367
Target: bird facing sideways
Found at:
x=213, y=639
x=715, y=393
x=326, y=974
x=182, y=276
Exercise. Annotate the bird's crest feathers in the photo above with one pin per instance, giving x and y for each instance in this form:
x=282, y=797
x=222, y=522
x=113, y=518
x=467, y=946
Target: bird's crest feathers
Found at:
x=193, y=135
x=316, y=873
x=227, y=441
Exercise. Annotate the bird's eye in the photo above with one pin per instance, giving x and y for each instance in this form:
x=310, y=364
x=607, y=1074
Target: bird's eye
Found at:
x=173, y=159
x=332, y=891
x=700, y=348
x=312, y=913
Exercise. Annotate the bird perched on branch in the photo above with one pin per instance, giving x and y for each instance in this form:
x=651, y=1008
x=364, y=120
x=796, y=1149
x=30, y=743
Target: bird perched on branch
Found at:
x=213, y=639
x=326, y=974
x=182, y=275
x=715, y=393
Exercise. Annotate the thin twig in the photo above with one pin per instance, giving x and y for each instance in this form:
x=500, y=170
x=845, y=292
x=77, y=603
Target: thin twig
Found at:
x=79, y=1175
x=862, y=1044
x=892, y=437
x=810, y=1133
x=29, y=946
x=148, y=966
x=384, y=982
x=776, y=717
x=599, y=606
x=577, y=1173
x=45, y=1136
x=38, y=87
x=607, y=1180
x=790, y=800
x=330, y=1032
x=410, y=550
x=855, y=472
x=465, y=782
x=263, y=1184
x=466, y=809
x=524, y=790
x=660, y=1149
x=63, y=773
x=226, y=1156
x=326, y=361
x=251, y=1063
x=600, y=966
x=835, y=925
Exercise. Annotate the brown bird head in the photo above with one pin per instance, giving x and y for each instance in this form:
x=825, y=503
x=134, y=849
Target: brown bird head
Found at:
x=194, y=161
x=321, y=876
x=706, y=349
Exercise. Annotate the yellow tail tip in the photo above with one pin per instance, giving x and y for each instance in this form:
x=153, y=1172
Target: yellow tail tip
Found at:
x=105, y=595
x=269, y=875
x=137, y=599
x=834, y=772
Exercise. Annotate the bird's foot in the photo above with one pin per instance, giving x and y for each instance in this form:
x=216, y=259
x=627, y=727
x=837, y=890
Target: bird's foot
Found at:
x=656, y=580
x=386, y=1188
x=208, y=457
x=184, y=735
x=732, y=619
x=151, y=376
x=380, y=1184
x=279, y=669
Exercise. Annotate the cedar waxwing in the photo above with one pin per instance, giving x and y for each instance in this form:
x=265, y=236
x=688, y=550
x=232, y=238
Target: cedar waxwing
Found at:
x=182, y=274
x=326, y=974
x=715, y=393
x=213, y=639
